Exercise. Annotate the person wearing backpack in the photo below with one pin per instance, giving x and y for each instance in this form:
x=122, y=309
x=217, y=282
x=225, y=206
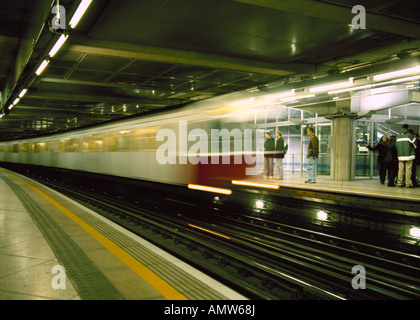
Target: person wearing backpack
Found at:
x=280, y=150
x=406, y=156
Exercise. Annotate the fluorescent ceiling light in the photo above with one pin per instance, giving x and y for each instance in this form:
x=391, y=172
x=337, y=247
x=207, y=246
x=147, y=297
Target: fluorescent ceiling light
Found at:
x=367, y=86
x=42, y=67
x=332, y=86
x=79, y=13
x=255, y=104
x=413, y=78
x=239, y=103
x=395, y=74
x=16, y=101
x=281, y=95
x=305, y=96
x=58, y=45
x=22, y=93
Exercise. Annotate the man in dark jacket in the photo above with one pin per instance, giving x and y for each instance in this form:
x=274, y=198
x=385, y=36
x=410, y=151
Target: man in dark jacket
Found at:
x=393, y=165
x=269, y=145
x=414, y=167
x=405, y=149
x=313, y=152
x=280, y=151
x=382, y=148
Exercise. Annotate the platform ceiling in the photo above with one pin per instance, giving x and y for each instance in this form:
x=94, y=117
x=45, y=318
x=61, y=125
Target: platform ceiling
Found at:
x=127, y=57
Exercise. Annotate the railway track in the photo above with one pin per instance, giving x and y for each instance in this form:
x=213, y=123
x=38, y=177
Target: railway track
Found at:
x=263, y=259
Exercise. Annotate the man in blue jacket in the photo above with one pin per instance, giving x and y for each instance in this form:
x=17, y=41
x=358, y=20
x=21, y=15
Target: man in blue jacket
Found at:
x=406, y=155
x=312, y=155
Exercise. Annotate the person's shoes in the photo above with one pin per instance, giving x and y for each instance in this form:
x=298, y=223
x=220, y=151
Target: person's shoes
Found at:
x=270, y=177
x=265, y=177
x=309, y=181
x=409, y=187
x=391, y=185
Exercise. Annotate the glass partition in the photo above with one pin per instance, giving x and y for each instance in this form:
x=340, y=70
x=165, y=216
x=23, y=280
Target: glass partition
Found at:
x=363, y=157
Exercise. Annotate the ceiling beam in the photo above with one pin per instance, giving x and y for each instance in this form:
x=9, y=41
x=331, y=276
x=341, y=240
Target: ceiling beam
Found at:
x=341, y=14
x=82, y=44
x=95, y=99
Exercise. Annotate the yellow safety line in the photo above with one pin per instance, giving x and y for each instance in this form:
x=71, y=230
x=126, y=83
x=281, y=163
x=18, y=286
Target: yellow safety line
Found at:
x=148, y=275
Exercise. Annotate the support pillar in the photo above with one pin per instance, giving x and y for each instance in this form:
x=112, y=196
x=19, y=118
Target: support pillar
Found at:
x=342, y=151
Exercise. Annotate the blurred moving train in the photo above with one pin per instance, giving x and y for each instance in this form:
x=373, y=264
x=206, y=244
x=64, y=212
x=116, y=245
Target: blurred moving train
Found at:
x=174, y=146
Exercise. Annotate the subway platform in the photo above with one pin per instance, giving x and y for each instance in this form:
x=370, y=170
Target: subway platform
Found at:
x=52, y=248
x=360, y=186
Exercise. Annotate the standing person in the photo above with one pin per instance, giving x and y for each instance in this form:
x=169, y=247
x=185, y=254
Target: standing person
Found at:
x=269, y=145
x=393, y=165
x=414, y=168
x=313, y=152
x=417, y=155
x=279, y=152
x=384, y=158
x=405, y=150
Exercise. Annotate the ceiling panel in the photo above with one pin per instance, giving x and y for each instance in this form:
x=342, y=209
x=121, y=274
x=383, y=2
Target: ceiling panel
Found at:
x=128, y=57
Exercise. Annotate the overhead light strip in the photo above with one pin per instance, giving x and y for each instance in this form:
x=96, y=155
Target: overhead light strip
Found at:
x=42, y=67
x=332, y=86
x=281, y=95
x=58, y=45
x=79, y=13
x=396, y=74
x=367, y=86
x=22, y=93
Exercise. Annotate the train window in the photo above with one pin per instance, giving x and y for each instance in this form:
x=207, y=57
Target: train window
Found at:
x=136, y=140
x=149, y=139
x=99, y=141
x=51, y=146
x=74, y=144
x=15, y=148
x=1, y=147
x=40, y=147
x=109, y=141
x=23, y=147
x=92, y=143
x=122, y=140
x=61, y=145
